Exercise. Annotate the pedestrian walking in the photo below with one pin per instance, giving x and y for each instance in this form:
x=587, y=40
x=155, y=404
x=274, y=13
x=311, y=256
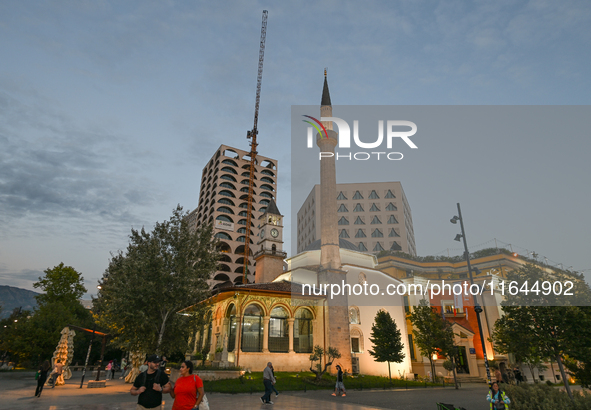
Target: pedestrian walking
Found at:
x=339, y=386
x=57, y=372
x=123, y=368
x=108, y=369
x=497, y=398
x=498, y=376
x=187, y=391
x=273, y=385
x=114, y=368
x=43, y=369
x=268, y=381
x=150, y=385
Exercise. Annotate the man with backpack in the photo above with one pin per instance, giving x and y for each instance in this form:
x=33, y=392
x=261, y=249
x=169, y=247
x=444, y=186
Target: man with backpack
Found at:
x=150, y=385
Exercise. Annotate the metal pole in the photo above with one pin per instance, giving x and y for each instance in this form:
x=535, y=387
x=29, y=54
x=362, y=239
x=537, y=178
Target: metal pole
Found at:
x=98, y=373
x=87, y=355
x=477, y=307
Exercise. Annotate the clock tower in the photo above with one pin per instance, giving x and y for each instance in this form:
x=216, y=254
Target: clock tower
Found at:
x=269, y=256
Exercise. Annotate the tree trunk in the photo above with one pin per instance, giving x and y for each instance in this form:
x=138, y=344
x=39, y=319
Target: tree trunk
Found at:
x=432, y=369
x=564, y=379
x=161, y=333
x=389, y=373
x=531, y=369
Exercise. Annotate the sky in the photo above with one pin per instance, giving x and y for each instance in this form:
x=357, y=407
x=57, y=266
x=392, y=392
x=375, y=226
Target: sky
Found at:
x=109, y=111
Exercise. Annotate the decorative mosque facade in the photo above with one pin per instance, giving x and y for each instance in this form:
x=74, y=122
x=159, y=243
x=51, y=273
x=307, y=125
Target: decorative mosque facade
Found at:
x=277, y=318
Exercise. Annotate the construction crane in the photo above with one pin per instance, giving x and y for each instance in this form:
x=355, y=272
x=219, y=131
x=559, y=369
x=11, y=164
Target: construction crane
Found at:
x=252, y=135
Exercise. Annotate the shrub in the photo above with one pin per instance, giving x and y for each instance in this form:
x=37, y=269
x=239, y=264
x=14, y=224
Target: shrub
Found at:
x=541, y=396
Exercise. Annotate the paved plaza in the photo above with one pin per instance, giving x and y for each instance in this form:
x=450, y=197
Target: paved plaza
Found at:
x=18, y=391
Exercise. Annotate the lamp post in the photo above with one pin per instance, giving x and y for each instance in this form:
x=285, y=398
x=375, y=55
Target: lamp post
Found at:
x=477, y=307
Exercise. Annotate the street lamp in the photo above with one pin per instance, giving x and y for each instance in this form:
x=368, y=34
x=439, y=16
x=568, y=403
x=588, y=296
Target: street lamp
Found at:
x=477, y=307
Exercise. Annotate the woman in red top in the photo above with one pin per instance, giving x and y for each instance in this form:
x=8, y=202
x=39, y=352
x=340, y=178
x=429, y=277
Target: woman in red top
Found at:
x=186, y=389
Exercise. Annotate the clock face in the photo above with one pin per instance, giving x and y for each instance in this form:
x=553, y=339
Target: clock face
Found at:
x=274, y=233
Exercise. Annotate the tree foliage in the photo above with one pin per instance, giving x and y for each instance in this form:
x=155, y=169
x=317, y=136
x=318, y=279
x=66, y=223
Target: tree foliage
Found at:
x=317, y=355
x=61, y=284
x=161, y=273
x=433, y=334
x=387, y=340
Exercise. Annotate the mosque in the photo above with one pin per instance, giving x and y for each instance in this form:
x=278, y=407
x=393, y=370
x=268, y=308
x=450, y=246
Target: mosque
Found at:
x=275, y=319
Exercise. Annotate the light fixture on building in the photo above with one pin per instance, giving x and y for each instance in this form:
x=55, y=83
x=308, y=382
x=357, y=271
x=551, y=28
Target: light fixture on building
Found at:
x=435, y=356
x=458, y=237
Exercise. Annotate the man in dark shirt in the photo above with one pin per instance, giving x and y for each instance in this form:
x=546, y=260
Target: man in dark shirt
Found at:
x=150, y=385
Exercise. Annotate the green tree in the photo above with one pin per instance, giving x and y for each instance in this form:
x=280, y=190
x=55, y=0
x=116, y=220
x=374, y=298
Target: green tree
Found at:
x=61, y=284
x=317, y=355
x=387, y=340
x=161, y=273
x=433, y=334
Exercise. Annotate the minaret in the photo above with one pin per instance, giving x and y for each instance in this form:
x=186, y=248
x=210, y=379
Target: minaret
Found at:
x=337, y=332
x=329, y=235
x=270, y=255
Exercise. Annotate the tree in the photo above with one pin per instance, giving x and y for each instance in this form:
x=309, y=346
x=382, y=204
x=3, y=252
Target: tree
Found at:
x=387, y=340
x=161, y=273
x=61, y=284
x=433, y=334
x=317, y=355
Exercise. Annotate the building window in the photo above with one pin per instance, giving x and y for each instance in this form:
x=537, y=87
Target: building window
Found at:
x=357, y=195
x=226, y=202
x=377, y=234
x=341, y=197
x=362, y=247
x=230, y=170
x=225, y=210
x=358, y=208
x=223, y=235
x=378, y=247
x=389, y=194
x=343, y=221
x=354, y=318
x=355, y=345
x=395, y=246
x=278, y=331
x=224, y=218
x=343, y=234
x=227, y=193
x=303, y=340
x=449, y=308
x=393, y=234
x=252, y=329
x=373, y=195
x=411, y=347
x=232, y=327
x=228, y=177
x=343, y=208
x=376, y=220
x=392, y=220
x=360, y=234
x=359, y=221
x=391, y=207
x=374, y=208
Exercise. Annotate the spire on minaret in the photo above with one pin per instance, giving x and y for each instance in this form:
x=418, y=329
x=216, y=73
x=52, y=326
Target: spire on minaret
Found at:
x=325, y=92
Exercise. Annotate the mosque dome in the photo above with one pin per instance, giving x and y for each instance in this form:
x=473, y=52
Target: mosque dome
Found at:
x=343, y=244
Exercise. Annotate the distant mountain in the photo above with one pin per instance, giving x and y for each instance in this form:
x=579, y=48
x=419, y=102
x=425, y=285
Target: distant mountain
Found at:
x=11, y=298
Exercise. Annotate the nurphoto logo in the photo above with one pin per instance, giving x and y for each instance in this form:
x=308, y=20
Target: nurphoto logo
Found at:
x=344, y=139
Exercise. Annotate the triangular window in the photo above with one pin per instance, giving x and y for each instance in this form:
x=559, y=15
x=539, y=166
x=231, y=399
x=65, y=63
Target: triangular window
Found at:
x=341, y=197
x=360, y=234
x=393, y=234
x=343, y=234
x=358, y=208
x=395, y=247
x=377, y=234
x=391, y=207
x=374, y=208
x=343, y=208
x=343, y=221
x=362, y=247
x=359, y=221
x=358, y=195
x=373, y=195
x=389, y=194
x=378, y=247
x=376, y=220
x=392, y=220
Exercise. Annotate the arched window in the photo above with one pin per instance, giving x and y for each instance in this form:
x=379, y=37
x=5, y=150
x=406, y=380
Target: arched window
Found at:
x=229, y=162
x=226, y=201
x=228, y=177
x=356, y=340
x=252, y=329
x=354, y=317
x=232, y=327
x=225, y=209
x=224, y=258
x=267, y=179
x=227, y=193
x=278, y=331
x=224, y=247
x=303, y=339
x=343, y=221
x=264, y=202
x=223, y=235
x=222, y=277
x=230, y=170
x=267, y=187
x=224, y=218
x=224, y=268
x=267, y=195
x=227, y=185
x=267, y=172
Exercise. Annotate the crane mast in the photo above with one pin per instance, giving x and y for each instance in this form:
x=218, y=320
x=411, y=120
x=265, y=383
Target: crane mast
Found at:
x=252, y=135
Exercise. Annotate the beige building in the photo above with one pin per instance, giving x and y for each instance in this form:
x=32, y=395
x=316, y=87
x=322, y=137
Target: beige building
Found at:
x=223, y=202
x=374, y=216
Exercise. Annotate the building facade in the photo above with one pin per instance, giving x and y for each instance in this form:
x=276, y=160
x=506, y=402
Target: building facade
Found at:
x=374, y=216
x=223, y=201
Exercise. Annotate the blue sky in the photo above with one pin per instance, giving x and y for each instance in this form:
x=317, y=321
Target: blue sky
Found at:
x=109, y=110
